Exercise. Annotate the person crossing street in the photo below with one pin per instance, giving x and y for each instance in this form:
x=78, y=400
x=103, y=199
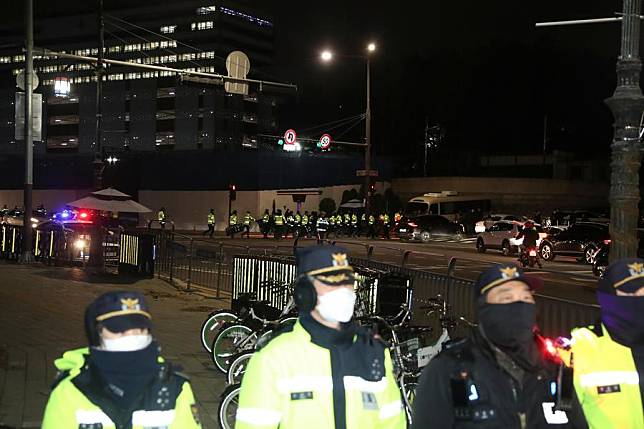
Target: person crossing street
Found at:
x=322, y=226
x=232, y=224
x=211, y=223
x=161, y=217
x=248, y=223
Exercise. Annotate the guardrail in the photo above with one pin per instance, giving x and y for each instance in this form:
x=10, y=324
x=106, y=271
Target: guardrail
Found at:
x=231, y=269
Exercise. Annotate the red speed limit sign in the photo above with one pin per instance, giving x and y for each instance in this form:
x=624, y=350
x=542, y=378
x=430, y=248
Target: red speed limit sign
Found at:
x=290, y=136
x=325, y=141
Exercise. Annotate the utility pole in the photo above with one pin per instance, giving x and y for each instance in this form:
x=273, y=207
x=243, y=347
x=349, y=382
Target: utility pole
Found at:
x=96, y=258
x=98, y=164
x=626, y=104
x=27, y=238
x=367, y=149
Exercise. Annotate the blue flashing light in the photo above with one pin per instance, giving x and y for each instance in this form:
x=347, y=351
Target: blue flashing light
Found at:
x=280, y=142
x=65, y=214
x=553, y=388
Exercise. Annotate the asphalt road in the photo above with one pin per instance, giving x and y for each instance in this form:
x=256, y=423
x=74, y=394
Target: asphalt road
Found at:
x=562, y=278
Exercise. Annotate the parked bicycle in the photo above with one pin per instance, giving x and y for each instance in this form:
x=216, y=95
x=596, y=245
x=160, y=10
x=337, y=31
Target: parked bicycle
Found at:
x=247, y=333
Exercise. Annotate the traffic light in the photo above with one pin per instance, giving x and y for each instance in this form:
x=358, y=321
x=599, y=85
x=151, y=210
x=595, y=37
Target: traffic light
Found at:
x=232, y=192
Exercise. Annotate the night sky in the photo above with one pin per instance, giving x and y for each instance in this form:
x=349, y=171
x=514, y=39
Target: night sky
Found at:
x=479, y=69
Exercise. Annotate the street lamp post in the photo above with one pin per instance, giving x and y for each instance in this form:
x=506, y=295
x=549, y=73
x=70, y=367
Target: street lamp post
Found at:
x=626, y=104
x=328, y=56
x=27, y=238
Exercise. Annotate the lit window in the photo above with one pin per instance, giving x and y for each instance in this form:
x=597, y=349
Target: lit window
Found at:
x=205, y=10
x=167, y=29
x=203, y=25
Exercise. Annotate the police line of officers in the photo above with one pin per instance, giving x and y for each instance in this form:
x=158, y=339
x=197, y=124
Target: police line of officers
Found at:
x=328, y=372
x=288, y=222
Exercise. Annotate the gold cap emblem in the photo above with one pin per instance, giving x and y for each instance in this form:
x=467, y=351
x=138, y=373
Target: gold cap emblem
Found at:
x=340, y=260
x=130, y=304
x=509, y=272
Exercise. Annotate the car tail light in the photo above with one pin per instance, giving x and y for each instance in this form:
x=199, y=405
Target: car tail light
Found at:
x=533, y=252
x=607, y=242
x=412, y=224
x=83, y=215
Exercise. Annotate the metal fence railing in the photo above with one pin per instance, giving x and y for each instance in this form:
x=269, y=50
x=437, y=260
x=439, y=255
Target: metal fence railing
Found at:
x=233, y=269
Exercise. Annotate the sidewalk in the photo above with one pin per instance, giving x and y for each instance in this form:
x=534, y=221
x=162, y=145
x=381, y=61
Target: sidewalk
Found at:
x=41, y=316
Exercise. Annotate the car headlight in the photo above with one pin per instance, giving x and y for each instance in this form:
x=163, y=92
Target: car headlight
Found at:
x=80, y=244
x=34, y=220
x=34, y=225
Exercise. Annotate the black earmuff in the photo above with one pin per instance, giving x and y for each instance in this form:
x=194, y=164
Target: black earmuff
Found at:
x=304, y=294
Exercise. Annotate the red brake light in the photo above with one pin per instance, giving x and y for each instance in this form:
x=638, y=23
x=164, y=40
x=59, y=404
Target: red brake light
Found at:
x=533, y=252
x=83, y=215
x=607, y=242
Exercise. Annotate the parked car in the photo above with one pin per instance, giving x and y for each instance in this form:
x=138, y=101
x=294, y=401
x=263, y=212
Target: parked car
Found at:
x=581, y=239
x=488, y=221
x=14, y=217
x=428, y=227
x=501, y=236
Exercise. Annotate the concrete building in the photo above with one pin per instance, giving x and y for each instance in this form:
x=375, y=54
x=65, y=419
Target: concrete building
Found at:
x=144, y=110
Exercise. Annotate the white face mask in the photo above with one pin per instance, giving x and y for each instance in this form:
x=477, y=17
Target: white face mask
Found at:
x=127, y=343
x=337, y=305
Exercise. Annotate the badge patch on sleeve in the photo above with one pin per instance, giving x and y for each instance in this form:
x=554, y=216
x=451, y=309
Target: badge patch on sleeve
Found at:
x=296, y=396
x=608, y=389
x=369, y=401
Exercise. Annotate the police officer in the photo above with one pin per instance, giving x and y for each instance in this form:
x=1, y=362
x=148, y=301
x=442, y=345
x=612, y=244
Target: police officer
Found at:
x=386, y=225
x=211, y=223
x=608, y=357
x=354, y=224
x=331, y=229
x=500, y=376
x=372, y=226
x=347, y=224
x=322, y=226
x=248, y=222
x=266, y=222
x=120, y=381
x=161, y=217
x=305, y=224
x=326, y=372
x=290, y=222
x=232, y=224
x=278, y=221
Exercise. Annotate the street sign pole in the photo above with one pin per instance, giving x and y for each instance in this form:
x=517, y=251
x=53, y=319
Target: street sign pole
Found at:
x=27, y=238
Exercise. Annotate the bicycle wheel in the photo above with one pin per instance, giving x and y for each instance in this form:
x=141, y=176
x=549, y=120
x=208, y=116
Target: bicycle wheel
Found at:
x=228, y=406
x=237, y=367
x=213, y=323
x=232, y=339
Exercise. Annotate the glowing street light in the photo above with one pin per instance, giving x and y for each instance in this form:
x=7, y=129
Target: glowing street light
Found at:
x=326, y=56
x=371, y=47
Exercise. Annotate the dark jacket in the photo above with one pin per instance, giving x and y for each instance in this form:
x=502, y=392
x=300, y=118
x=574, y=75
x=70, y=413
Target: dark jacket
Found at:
x=465, y=387
x=530, y=237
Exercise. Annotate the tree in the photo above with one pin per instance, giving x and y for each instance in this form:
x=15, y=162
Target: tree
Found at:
x=327, y=205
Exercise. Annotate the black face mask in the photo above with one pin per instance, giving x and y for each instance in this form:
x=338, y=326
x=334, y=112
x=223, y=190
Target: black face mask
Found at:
x=510, y=327
x=126, y=374
x=623, y=317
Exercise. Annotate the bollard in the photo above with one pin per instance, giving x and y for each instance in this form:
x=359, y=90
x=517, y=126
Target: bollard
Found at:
x=406, y=254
